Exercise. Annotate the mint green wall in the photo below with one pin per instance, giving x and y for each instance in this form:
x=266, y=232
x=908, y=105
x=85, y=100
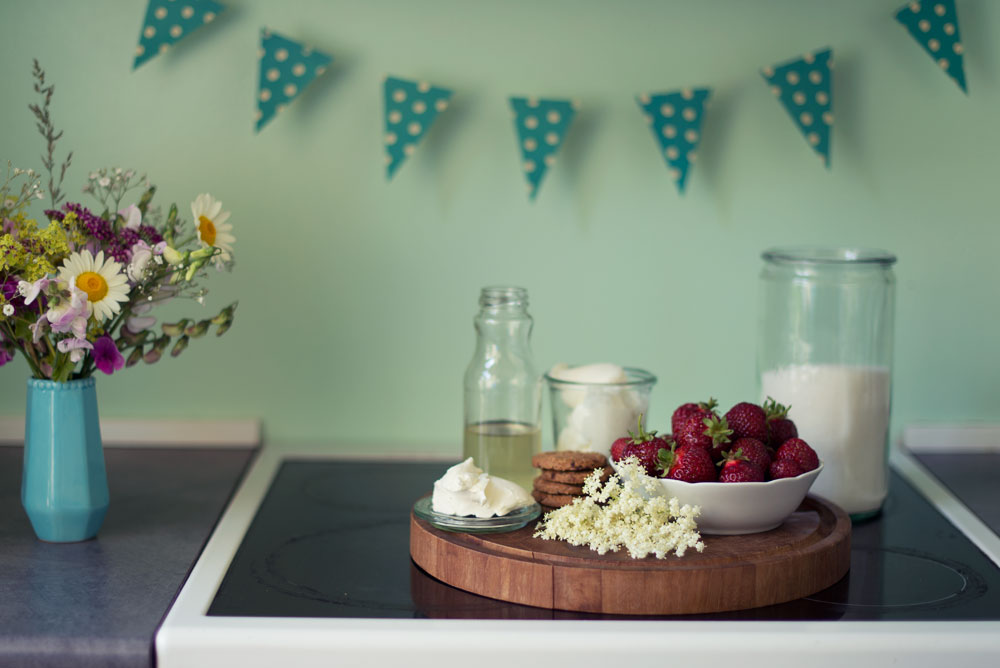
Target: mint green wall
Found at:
x=357, y=296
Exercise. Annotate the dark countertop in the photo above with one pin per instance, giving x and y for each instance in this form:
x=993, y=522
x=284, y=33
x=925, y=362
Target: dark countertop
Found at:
x=320, y=547
x=99, y=602
x=973, y=477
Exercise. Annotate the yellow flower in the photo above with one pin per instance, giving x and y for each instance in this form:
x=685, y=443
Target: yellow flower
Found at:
x=101, y=280
x=210, y=223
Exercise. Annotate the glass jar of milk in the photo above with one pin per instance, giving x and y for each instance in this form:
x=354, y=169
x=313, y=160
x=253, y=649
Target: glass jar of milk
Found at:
x=825, y=348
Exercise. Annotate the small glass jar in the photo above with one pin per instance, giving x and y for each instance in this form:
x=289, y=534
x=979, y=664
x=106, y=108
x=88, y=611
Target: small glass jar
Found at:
x=825, y=348
x=503, y=391
x=590, y=416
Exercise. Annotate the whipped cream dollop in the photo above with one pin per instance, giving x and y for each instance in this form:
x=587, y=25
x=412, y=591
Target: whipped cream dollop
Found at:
x=465, y=489
x=601, y=411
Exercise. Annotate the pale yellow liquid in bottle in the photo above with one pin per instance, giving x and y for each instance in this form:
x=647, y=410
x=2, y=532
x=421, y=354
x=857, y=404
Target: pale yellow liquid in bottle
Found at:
x=504, y=449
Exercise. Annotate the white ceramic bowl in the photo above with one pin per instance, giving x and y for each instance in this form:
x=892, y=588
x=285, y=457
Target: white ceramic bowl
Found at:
x=731, y=508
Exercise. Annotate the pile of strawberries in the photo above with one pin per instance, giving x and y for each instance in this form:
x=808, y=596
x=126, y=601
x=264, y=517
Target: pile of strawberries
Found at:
x=750, y=443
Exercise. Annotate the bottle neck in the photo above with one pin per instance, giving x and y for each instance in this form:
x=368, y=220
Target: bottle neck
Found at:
x=508, y=325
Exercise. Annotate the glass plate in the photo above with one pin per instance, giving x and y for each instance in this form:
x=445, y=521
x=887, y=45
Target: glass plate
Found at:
x=512, y=521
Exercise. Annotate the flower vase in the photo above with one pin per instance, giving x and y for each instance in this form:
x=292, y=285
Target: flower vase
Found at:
x=64, y=487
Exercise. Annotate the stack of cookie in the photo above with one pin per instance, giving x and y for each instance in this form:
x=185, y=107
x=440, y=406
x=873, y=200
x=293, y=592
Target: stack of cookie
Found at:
x=562, y=475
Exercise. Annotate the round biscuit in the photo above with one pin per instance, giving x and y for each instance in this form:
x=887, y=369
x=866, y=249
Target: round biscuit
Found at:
x=553, y=487
x=569, y=460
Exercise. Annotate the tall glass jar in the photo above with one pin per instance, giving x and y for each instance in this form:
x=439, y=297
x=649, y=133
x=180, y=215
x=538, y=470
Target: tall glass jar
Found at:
x=825, y=348
x=503, y=392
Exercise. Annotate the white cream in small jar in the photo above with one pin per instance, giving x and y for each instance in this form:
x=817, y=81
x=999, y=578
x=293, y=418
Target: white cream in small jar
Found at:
x=466, y=490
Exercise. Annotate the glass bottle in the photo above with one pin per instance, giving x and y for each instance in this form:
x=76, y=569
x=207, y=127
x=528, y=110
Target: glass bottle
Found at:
x=503, y=393
x=825, y=347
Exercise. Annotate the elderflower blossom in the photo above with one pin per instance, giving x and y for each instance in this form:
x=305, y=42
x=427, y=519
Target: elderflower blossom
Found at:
x=625, y=512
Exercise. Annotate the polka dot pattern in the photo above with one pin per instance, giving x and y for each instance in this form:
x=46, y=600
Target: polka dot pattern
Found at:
x=675, y=119
x=410, y=109
x=168, y=21
x=809, y=99
x=934, y=25
x=541, y=126
x=286, y=68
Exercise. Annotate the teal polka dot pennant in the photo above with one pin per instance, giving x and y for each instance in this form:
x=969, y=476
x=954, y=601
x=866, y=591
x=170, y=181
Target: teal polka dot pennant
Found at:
x=675, y=119
x=541, y=127
x=169, y=21
x=286, y=68
x=410, y=109
x=935, y=27
x=804, y=88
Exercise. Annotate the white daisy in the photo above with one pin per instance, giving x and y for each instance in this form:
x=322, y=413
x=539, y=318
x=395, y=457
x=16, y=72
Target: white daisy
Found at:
x=210, y=222
x=102, y=281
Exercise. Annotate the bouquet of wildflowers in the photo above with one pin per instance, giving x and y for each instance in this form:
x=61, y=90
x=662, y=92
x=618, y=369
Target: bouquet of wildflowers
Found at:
x=76, y=294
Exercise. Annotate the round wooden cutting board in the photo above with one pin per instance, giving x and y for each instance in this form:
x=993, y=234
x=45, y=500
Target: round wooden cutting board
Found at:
x=810, y=551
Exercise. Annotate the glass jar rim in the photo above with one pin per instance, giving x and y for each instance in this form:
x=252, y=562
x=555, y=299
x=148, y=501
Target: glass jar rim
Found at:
x=501, y=295
x=829, y=255
x=636, y=377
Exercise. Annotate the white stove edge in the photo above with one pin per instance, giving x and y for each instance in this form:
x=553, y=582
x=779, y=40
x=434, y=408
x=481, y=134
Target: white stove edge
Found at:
x=190, y=639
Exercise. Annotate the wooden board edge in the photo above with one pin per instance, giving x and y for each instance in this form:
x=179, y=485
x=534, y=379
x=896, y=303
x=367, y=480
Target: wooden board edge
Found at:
x=503, y=577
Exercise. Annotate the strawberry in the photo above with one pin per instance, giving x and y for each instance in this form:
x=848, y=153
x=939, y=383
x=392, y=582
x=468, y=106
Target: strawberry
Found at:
x=684, y=412
x=703, y=432
x=798, y=451
x=753, y=450
x=779, y=427
x=737, y=468
x=747, y=421
x=618, y=448
x=687, y=463
x=784, y=468
x=646, y=446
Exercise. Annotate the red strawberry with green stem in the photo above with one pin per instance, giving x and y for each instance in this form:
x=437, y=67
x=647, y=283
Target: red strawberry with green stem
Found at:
x=686, y=411
x=753, y=450
x=687, y=463
x=646, y=446
x=708, y=433
x=779, y=427
x=747, y=420
x=737, y=468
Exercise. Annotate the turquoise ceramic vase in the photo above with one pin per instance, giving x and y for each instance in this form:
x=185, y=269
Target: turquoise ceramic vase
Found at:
x=64, y=488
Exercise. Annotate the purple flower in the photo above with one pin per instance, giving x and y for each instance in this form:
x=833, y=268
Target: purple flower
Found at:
x=30, y=290
x=74, y=347
x=38, y=328
x=11, y=293
x=70, y=316
x=132, y=216
x=106, y=355
x=114, y=244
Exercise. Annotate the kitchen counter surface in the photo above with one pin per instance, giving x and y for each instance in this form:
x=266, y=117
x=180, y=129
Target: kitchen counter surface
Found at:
x=99, y=602
x=973, y=477
x=306, y=566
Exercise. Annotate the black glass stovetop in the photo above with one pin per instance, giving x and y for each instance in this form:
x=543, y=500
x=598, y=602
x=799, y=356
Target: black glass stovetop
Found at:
x=331, y=539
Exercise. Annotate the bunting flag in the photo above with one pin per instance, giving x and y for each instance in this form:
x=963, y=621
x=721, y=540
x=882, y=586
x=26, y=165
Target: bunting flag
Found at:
x=675, y=119
x=935, y=27
x=168, y=22
x=286, y=68
x=410, y=109
x=804, y=87
x=541, y=127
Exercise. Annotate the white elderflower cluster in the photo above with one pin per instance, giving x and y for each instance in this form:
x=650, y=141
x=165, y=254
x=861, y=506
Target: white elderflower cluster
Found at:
x=618, y=514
